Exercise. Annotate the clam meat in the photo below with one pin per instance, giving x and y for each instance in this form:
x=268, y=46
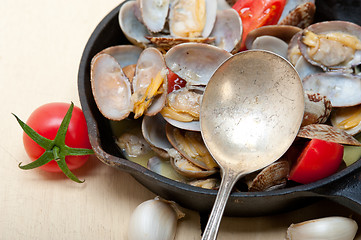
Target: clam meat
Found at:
x=332, y=45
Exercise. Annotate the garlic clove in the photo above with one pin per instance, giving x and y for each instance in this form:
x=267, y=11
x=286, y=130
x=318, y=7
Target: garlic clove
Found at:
x=328, y=228
x=154, y=219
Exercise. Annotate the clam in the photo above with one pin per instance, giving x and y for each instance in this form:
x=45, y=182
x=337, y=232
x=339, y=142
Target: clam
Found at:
x=292, y=5
x=154, y=14
x=301, y=16
x=153, y=130
x=182, y=108
x=293, y=51
x=164, y=23
x=347, y=119
x=228, y=30
x=111, y=88
x=327, y=133
x=149, y=83
x=333, y=45
x=133, y=144
x=317, y=108
x=133, y=29
x=116, y=96
x=191, y=146
x=126, y=55
x=274, y=38
x=195, y=62
x=304, y=68
x=283, y=32
x=340, y=88
x=270, y=178
x=192, y=18
x=208, y=183
x=186, y=168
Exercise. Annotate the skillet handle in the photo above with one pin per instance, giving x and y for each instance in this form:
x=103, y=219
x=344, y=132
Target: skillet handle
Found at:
x=345, y=190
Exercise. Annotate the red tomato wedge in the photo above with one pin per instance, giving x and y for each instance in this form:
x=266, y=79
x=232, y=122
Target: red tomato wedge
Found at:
x=175, y=82
x=319, y=159
x=258, y=13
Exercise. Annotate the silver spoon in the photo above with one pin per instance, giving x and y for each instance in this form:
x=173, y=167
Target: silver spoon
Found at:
x=251, y=112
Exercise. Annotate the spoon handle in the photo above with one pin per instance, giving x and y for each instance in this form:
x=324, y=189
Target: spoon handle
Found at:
x=229, y=178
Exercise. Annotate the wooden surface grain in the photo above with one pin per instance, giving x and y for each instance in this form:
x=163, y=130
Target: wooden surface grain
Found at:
x=41, y=43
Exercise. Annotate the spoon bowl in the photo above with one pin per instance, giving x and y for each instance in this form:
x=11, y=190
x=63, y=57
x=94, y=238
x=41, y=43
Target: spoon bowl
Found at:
x=251, y=111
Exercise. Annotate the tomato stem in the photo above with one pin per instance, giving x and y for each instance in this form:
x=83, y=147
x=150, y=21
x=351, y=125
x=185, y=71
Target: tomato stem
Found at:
x=56, y=151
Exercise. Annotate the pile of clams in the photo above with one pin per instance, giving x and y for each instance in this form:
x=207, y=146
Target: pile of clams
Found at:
x=192, y=39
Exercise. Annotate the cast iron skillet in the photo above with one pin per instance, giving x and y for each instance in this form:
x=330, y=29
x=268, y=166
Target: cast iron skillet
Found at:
x=343, y=187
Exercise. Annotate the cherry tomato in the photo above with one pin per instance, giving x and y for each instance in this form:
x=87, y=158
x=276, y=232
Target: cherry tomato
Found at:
x=46, y=120
x=258, y=13
x=174, y=82
x=319, y=159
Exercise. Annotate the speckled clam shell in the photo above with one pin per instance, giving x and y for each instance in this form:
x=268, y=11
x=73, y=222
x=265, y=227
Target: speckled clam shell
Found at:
x=302, y=16
x=327, y=133
x=317, y=108
x=270, y=178
x=166, y=42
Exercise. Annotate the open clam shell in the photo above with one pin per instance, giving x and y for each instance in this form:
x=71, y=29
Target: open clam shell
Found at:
x=189, y=18
x=342, y=89
x=111, y=88
x=228, y=30
x=150, y=67
x=186, y=168
x=191, y=146
x=283, y=32
x=304, y=68
x=154, y=14
x=195, y=62
x=336, y=53
x=125, y=54
x=183, y=108
x=153, y=130
x=133, y=29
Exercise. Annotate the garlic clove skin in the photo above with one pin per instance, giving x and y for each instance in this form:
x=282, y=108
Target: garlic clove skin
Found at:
x=328, y=228
x=154, y=219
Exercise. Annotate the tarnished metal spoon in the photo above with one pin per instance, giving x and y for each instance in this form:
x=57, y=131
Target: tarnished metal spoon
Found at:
x=251, y=112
